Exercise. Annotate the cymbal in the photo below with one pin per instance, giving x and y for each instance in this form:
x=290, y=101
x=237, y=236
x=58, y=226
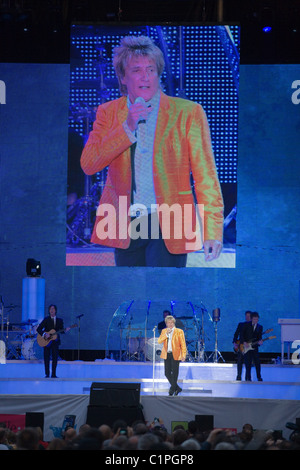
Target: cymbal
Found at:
x=134, y=329
x=24, y=323
x=79, y=113
x=30, y=321
x=95, y=83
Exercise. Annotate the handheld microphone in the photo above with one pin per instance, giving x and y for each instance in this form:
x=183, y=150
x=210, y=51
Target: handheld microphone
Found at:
x=139, y=99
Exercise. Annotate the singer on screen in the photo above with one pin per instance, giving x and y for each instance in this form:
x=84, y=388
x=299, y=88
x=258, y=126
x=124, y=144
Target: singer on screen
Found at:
x=149, y=210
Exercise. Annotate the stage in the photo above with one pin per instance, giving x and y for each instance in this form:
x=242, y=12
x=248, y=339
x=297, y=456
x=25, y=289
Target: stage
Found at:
x=208, y=389
x=196, y=379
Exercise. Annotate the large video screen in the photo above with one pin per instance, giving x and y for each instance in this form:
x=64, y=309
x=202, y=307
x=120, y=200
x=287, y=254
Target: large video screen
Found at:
x=153, y=146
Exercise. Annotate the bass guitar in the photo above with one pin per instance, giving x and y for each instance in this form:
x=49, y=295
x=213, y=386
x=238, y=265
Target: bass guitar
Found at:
x=43, y=342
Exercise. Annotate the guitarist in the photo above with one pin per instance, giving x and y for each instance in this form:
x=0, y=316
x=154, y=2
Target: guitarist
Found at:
x=252, y=333
x=237, y=342
x=51, y=322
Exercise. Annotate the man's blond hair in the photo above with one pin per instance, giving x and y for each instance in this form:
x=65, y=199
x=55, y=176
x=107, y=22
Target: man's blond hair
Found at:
x=170, y=318
x=135, y=46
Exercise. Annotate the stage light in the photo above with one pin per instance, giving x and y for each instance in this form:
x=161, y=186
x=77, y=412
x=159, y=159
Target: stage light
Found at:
x=33, y=268
x=267, y=29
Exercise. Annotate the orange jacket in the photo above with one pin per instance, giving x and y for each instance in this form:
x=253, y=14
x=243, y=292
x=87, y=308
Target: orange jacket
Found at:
x=182, y=145
x=178, y=344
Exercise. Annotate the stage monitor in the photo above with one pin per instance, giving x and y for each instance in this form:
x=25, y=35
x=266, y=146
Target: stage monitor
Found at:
x=115, y=395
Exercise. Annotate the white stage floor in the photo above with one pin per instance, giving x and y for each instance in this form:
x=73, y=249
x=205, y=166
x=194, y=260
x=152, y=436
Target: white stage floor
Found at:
x=196, y=379
x=208, y=389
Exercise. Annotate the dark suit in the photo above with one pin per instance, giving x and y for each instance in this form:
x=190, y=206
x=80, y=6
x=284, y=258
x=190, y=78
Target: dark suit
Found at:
x=52, y=349
x=249, y=334
x=240, y=357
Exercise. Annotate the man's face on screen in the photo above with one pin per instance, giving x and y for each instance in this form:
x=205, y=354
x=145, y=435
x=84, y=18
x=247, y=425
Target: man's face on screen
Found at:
x=141, y=78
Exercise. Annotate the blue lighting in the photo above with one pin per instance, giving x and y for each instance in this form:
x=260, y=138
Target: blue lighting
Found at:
x=267, y=29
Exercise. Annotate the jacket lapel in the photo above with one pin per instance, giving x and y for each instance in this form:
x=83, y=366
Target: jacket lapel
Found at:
x=162, y=121
x=174, y=338
x=122, y=112
x=122, y=109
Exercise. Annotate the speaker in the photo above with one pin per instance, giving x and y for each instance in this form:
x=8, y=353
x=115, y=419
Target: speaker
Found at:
x=205, y=422
x=34, y=420
x=115, y=395
x=98, y=415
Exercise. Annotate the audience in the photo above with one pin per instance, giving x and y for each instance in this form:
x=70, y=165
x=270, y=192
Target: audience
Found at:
x=153, y=437
x=28, y=439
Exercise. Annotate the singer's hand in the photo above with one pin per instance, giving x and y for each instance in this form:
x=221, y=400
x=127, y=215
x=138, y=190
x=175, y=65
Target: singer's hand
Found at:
x=212, y=249
x=136, y=113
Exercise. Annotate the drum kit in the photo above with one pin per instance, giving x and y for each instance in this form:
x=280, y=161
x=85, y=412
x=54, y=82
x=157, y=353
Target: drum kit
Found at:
x=139, y=347
x=19, y=338
x=134, y=330
x=135, y=345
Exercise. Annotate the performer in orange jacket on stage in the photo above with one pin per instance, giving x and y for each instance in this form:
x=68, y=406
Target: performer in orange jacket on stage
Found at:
x=152, y=144
x=173, y=351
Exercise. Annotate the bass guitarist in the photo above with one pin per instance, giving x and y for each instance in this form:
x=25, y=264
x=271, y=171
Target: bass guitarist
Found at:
x=237, y=342
x=252, y=333
x=51, y=322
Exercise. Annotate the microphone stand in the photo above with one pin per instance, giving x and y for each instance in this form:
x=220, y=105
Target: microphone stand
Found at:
x=78, y=349
x=2, y=342
x=153, y=361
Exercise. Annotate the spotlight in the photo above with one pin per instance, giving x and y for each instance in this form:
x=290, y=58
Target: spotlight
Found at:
x=33, y=268
x=267, y=18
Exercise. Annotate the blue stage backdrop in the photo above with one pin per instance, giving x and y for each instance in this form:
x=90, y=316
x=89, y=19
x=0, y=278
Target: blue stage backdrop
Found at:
x=34, y=161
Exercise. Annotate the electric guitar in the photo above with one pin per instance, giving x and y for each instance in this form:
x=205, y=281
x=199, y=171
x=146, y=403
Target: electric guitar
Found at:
x=239, y=347
x=43, y=342
x=249, y=347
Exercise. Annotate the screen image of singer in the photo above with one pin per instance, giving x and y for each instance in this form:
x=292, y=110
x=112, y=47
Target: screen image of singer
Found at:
x=201, y=66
